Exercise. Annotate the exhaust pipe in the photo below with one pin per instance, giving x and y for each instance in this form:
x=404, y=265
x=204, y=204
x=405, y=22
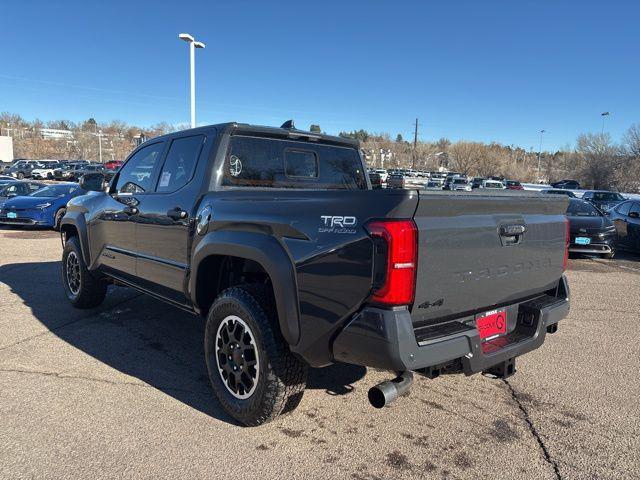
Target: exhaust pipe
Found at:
x=387, y=392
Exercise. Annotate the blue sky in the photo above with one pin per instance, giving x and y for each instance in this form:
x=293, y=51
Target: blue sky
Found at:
x=491, y=70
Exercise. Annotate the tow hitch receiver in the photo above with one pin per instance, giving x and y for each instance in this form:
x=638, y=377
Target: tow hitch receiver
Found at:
x=503, y=369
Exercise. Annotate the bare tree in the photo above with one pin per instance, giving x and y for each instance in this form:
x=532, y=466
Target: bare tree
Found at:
x=465, y=156
x=599, y=159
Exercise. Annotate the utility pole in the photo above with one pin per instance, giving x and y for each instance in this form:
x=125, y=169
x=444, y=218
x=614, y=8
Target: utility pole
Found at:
x=603, y=115
x=539, y=152
x=100, y=145
x=415, y=146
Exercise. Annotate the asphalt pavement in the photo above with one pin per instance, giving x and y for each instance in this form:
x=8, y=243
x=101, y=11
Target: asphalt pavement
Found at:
x=121, y=391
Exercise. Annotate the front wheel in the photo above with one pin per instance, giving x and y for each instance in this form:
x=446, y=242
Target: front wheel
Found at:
x=609, y=255
x=82, y=288
x=251, y=369
x=58, y=219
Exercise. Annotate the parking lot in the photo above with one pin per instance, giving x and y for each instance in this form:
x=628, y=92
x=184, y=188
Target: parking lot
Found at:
x=122, y=391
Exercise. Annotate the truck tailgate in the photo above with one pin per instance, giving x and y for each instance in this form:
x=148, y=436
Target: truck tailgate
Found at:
x=469, y=258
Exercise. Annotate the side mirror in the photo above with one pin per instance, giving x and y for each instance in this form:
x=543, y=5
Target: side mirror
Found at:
x=93, y=182
x=634, y=214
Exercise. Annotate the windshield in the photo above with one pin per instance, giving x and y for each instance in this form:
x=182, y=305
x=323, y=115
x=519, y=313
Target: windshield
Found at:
x=4, y=189
x=580, y=208
x=607, y=196
x=55, y=191
x=460, y=181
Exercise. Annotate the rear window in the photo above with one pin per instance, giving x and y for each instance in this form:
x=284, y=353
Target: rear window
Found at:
x=607, y=196
x=580, y=208
x=273, y=163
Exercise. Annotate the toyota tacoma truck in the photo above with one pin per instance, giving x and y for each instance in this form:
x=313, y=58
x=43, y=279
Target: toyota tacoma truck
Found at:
x=276, y=238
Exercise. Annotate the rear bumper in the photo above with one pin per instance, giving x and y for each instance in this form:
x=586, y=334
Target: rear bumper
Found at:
x=386, y=339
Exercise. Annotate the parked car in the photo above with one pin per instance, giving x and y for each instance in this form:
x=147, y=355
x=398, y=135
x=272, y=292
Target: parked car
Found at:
x=591, y=231
x=513, y=185
x=83, y=169
x=493, y=184
x=567, y=184
x=355, y=276
x=67, y=170
x=18, y=188
x=433, y=185
x=4, y=179
x=113, y=164
x=477, y=182
x=22, y=168
x=45, y=172
x=458, y=183
x=558, y=191
x=376, y=180
x=44, y=208
x=626, y=218
x=383, y=174
x=603, y=199
x=396, y=180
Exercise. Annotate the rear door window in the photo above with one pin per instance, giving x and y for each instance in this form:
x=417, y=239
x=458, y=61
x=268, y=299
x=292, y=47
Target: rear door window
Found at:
x=274, y=163
x=180, y=164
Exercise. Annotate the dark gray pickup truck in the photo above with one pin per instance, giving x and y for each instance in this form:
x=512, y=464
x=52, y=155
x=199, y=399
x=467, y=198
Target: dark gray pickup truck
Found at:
x=276, y=238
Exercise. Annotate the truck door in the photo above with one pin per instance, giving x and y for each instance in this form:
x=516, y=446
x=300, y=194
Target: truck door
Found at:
x=112, y=230
x=165, y=218
x=633, y=227
x=621, y=222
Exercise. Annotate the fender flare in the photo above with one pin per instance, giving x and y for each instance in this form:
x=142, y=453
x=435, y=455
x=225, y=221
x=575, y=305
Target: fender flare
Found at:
x=77, y=220
x=271, y=255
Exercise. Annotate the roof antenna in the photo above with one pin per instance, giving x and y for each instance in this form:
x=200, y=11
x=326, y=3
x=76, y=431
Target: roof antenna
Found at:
x=288, y=125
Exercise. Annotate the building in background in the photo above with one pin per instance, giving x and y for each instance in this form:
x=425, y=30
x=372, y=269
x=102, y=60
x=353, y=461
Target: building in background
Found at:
x=6, y=149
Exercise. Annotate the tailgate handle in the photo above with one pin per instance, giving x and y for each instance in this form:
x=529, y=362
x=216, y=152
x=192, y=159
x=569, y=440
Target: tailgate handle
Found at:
x=512, y=234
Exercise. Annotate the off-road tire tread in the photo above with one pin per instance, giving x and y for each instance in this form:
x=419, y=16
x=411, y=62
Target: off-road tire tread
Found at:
x=286, y=376
x=93, y=290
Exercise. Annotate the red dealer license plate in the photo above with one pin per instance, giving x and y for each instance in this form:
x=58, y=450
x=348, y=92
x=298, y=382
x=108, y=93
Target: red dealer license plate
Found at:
x=492, y=324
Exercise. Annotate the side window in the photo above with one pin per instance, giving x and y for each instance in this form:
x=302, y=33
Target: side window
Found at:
x=180, y=164
x=587, y=196
x=623, y=208
x=136, y=176
x=300, y=164
x=635, y=208
x=34, y=186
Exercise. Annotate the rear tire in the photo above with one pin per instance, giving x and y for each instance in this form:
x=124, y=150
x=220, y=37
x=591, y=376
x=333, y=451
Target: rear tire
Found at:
x=252, y=372
x=82, y=288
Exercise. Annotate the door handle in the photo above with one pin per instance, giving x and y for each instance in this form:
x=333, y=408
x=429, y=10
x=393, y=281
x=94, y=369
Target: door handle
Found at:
x=177, y=214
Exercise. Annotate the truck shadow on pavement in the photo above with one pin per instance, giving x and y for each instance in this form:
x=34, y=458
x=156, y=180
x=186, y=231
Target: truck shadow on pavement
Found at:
x=139, y=336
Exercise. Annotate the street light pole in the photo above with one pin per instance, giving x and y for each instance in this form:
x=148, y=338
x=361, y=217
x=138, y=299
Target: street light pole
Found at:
x=193, y=44
x=100, y=145
x=539, y=152
x=603, y=115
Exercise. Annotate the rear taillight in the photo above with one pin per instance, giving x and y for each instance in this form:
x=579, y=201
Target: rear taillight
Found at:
x=567, y=239
x=396, y=257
